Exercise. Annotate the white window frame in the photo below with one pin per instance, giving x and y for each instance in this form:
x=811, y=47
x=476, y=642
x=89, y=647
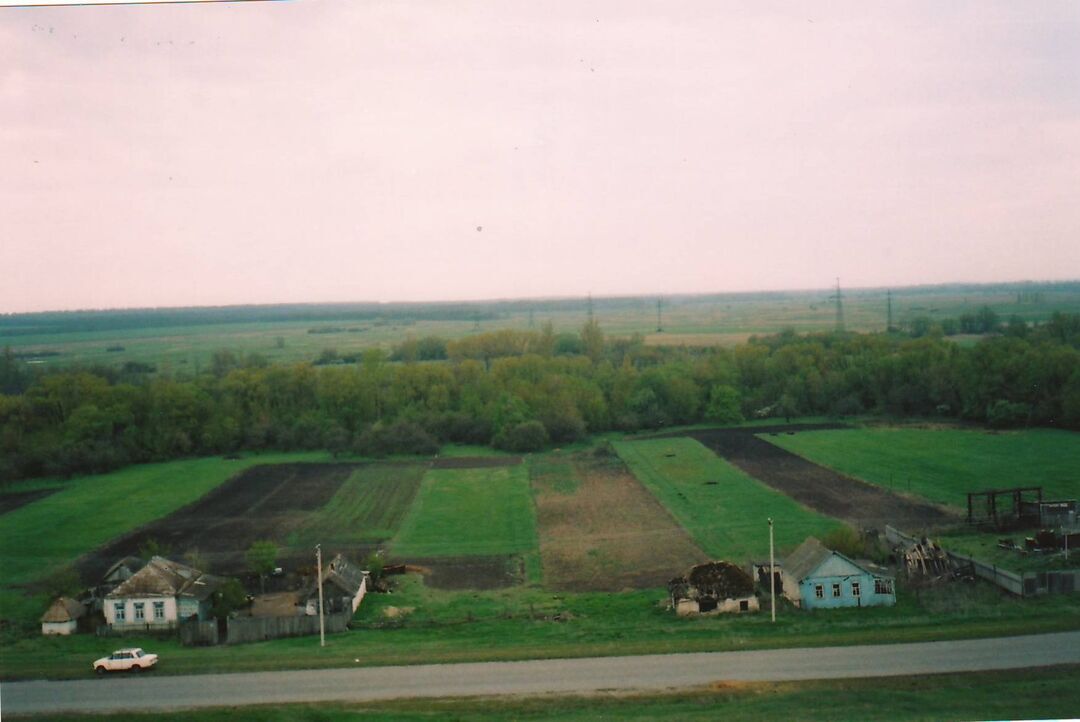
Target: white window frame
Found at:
x=159, y=610
x=819, y=591
x=120, y=611
x=836, y=591
x=856, y=589
x=139, y=609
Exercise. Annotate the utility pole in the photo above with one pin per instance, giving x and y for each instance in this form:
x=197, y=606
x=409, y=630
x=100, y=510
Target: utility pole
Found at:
x=888, y=302
x=838, y=297
x=322, y=623
x=659, y=317
x=772, y=572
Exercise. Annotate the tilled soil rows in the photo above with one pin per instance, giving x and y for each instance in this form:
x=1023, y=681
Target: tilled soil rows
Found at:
x=263, y=502
x=843, y=497
x=856, y=502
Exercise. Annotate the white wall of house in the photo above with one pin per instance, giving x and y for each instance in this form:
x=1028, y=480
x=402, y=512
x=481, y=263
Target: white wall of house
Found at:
x=360, y=593
x=130, y=609
x=64, y=628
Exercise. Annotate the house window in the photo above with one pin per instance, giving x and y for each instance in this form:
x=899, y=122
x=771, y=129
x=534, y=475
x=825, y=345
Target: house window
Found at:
x=819, y=591
x=159, y=610
x=140, y=611
x=883, y=586
x=855, y=591
x=744, y=605
x=836, y=589
x=120, y=611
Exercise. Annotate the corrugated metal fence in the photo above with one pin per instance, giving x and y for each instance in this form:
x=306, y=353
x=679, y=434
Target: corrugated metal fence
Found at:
x=1028, y=584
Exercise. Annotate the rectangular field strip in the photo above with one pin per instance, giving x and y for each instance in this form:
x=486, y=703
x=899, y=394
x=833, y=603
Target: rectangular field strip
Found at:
x=369, y=506
x=722, y=508
x=942, y=465
x=43, y=536
x=465, y=512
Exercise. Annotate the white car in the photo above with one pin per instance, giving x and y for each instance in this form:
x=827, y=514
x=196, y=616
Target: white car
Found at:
x=133, y=659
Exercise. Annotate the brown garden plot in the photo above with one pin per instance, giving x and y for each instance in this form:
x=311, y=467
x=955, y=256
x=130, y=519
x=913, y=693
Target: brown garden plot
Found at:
x=602, y=530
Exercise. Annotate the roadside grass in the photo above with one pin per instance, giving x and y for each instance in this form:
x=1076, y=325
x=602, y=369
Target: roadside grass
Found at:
x=722, y=508
x=527, y=622
x=942, y=465
x=1011, y=694
x=463, y=512
x=369, y=506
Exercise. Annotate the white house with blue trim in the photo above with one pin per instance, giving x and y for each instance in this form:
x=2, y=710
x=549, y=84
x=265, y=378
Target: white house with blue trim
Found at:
x=815, y=577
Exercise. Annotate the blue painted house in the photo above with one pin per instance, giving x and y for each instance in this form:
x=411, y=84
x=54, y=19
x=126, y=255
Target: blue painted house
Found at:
x=815, y=577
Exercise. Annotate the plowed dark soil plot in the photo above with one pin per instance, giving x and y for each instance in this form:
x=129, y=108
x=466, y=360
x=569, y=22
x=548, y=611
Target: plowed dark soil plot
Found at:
x=821, y=489
x=264, y=502
x=11, y=502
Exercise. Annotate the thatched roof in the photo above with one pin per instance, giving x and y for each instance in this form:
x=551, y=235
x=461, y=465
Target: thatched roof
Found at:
x=713, y=580
x=63, y=609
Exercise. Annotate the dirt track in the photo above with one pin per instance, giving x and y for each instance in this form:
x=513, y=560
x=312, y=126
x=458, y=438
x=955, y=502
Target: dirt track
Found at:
x=824, y=490
x=11, y=502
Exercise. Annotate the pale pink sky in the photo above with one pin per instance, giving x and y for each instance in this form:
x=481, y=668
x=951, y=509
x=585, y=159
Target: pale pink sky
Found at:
x=338, y=150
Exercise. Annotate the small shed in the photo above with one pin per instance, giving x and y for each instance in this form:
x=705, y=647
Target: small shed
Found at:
x=815, y=577
x=62, y=617
x=713, y=588
x=344, y=586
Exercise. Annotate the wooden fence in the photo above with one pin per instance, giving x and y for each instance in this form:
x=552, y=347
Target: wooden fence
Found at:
x=1027, y=584
x=257, y=629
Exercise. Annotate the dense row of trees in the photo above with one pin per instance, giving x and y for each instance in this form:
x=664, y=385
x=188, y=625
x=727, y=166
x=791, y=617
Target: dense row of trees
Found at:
x=521, y=391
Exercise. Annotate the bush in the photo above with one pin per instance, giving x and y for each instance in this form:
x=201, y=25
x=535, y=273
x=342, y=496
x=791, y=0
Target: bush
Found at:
x=1004, y=414
x=400, y=437
x=524, y=437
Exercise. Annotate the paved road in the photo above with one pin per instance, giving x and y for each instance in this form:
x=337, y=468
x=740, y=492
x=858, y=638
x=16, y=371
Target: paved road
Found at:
x=650, y=672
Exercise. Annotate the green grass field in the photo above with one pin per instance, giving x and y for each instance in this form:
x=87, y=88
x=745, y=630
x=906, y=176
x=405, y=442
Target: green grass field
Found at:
x=728, y=519
x=461, y=512
x=1014, y=694
x=369, y=506
x=942, y=465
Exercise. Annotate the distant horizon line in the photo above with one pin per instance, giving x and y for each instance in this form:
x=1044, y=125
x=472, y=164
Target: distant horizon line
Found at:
x=560, y=298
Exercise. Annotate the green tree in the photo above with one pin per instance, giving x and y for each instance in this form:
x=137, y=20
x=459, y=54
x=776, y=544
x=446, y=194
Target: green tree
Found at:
x=724, y=405
x=262, y=558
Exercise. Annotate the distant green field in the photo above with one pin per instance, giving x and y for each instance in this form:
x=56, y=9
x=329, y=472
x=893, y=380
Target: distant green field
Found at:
x=728, y=519
x=942, y=465
x=462, y=512
x=369, y=506
x=687, y=320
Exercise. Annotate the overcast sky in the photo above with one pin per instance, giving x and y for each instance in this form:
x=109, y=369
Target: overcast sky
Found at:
x=340, y=150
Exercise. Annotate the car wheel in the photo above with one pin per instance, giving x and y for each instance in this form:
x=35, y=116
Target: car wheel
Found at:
x=99, y=670
x=136, y=668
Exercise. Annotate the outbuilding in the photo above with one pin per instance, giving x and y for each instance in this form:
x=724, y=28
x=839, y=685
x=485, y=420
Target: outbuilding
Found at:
x=815, y=577
x=713, y=588
x=62, y=617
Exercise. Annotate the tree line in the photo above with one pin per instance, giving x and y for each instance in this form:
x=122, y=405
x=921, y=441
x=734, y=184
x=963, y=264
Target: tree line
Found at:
x=521, y=391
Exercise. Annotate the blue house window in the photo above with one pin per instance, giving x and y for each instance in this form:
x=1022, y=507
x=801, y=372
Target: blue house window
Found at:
x=883, y=586
x=836, y=589
x=855, y=591
x=819, y=591
x=119, y=611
